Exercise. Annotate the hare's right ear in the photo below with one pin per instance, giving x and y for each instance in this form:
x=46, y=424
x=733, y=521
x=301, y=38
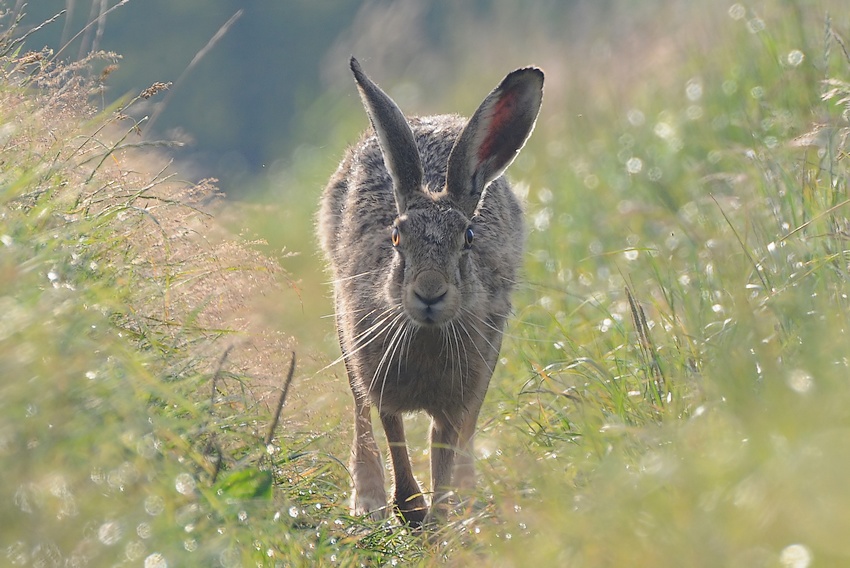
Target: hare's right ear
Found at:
x=398, y=146
x=493, y=136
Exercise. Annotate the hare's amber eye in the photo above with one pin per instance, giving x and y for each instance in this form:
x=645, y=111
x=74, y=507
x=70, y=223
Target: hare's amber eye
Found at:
x=469, y=236
x=395, y=237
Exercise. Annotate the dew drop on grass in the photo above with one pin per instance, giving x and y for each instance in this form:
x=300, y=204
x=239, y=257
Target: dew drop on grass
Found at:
x=184, y=484
x=631, y=254
x=634, y=165
x=737, y=12
x=693, y=89
x=293, y=512
x=542, y=219
x=147, y=446
x=134, y=550
x=156, y=560
x=800, y=381
x=795, y=556
x=154, y=505
x=230, y=558
x=795, y=57
x=755, y=25
x=144, y=530
x=636, y=117
x=655, y=173
x=109, y=533
x=694, y=112
x=664, y=131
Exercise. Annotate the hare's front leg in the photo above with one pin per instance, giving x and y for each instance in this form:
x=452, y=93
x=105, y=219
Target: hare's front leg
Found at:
x=408, y=499
x=464, y=469
x=464, y=464
x=444, y=438
x=367, y=469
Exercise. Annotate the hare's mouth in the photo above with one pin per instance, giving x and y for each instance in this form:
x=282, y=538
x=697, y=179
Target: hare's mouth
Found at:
x=428, y=316
x=430, y=311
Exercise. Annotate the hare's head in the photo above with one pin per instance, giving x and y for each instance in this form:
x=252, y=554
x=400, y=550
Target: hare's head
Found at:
x=433, y=235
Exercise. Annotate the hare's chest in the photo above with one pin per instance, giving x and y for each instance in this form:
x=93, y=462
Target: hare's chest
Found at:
x=431, y=376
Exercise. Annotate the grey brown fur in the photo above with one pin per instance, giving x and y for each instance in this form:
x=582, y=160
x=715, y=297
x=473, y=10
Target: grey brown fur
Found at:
x=420, y=319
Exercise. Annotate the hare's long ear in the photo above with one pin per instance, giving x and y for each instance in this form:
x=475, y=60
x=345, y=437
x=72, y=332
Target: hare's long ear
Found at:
x=398, y=146
x=493, y=136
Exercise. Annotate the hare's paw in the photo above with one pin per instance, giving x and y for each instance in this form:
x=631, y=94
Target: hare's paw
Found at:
x=411, y=510
x=369, y=504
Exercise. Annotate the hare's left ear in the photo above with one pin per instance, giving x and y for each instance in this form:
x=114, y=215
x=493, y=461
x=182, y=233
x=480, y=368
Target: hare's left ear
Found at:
x=493, y=136
x=395, y=137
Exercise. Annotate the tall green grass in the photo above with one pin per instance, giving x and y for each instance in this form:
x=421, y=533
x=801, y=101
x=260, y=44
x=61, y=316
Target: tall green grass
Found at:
x=128, y=431
x=687, y=317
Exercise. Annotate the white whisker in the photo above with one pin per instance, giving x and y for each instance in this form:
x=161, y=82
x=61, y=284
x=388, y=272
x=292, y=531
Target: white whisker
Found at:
x=386, y=358
x=354, y=277
x=481, y=355
x=359, y=344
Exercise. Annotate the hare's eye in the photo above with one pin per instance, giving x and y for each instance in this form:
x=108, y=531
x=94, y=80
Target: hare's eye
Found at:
x=469, y=236
x=395, y=237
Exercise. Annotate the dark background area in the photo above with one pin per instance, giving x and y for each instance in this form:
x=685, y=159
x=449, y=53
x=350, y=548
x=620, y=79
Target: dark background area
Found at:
x=268, y=85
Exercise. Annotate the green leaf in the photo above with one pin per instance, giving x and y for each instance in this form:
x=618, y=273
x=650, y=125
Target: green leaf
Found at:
x=247, y=484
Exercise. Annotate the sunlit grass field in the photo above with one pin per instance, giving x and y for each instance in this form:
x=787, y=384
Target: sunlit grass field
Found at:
x=673, y=389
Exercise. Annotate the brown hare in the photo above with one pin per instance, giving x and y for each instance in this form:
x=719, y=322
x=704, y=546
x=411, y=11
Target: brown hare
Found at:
x=424, y=239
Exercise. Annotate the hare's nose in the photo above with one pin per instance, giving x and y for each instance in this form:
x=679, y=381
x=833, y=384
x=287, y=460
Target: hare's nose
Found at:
x=430, y=301
x=431, y=288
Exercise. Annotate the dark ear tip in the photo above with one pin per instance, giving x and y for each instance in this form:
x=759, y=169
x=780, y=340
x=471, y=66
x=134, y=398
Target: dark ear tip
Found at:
x=525, y=76
x=356, y=69
x=526, y=80
x=528, y=73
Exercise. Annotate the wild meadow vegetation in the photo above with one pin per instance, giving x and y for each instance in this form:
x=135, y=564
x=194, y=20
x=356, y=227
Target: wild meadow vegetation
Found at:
x=673, y=389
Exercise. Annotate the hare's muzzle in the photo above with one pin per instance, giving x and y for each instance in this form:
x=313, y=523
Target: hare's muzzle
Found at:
x=430, y=298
